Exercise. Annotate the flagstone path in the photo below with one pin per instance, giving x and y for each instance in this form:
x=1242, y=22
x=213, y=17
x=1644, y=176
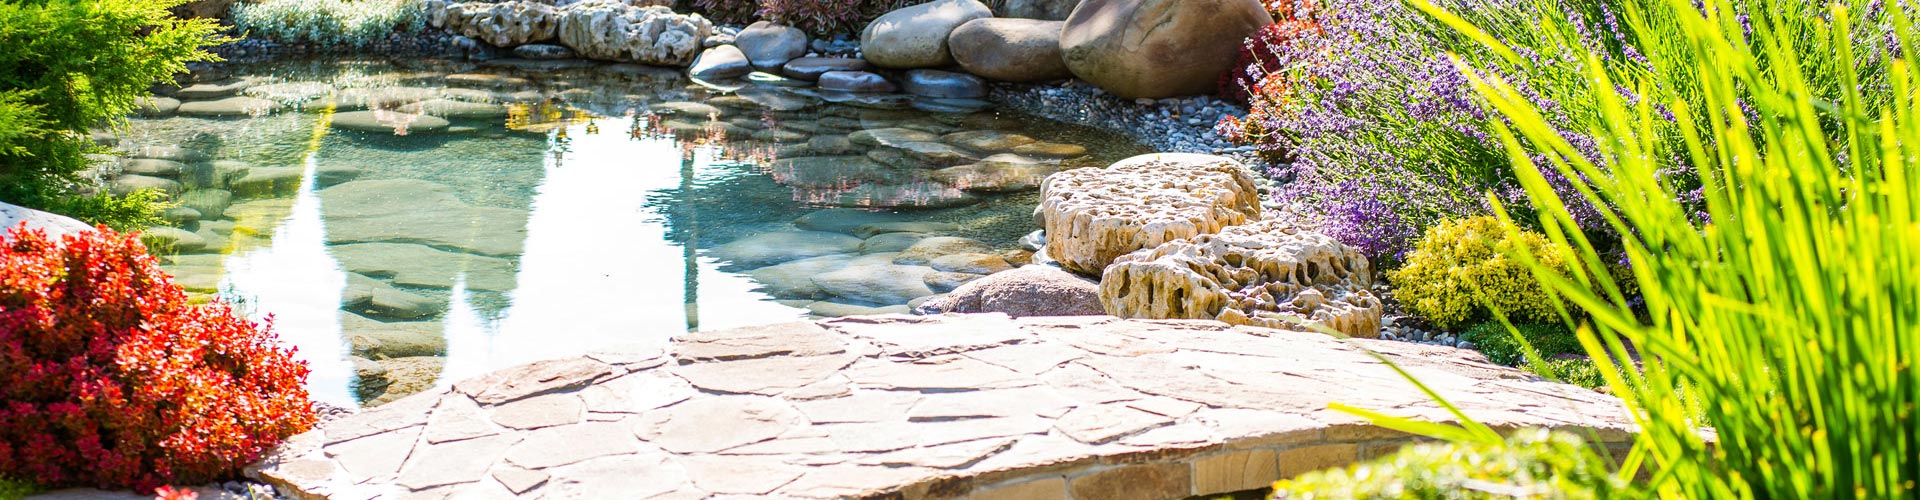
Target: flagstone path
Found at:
x=946, y=407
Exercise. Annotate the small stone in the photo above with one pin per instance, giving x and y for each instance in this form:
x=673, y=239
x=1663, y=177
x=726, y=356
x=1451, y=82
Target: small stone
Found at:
x=811, y=68
x=721, y=63
x=944, y=84
x=856, y=81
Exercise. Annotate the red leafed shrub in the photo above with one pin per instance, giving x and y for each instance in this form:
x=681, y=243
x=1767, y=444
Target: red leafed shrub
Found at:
x=1258, y=59
x=109, y=377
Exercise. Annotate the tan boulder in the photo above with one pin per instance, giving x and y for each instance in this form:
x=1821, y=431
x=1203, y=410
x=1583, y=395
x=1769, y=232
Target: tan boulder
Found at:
x=1027, y=291
x=1267, y=273
x=1158, y=48
x=1012, y=50
x=1094, y=215
x=916, y=37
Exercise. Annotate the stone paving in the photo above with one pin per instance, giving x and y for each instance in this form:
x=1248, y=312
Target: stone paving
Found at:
x=957, y=406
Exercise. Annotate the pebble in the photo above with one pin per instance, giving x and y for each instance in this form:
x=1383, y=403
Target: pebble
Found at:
x=1179, y=125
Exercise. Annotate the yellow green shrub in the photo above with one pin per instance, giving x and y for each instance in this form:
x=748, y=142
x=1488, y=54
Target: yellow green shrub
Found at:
x=1460, y=267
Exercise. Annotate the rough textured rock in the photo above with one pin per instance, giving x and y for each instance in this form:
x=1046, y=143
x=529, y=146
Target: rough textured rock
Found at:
x=771, y=45
x=504, y=24
x=1027, y=291
x=1158, y=48
x=1013, y=50
x=55, y=225
x=916, y=37
x=542, y=51
x=616, y=31
x=720, y=63
x=1095, y=215
x=1265, y=273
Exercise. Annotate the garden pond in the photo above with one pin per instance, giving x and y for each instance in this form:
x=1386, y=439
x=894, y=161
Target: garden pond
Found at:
x=411, y=223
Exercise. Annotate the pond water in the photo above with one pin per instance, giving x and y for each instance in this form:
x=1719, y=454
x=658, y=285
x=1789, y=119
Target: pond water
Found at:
x=563, y=206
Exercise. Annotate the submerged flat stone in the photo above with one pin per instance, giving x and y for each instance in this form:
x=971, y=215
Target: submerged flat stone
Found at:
x=415, y=211
x=980, y=406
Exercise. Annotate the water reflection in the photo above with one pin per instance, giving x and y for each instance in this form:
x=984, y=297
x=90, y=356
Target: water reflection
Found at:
x=294, y=282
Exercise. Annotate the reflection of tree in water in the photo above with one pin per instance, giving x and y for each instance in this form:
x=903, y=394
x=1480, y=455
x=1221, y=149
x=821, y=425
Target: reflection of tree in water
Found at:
x=724, y=202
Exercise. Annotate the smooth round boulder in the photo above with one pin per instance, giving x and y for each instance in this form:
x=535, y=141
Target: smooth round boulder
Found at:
x=721, y=63
x=944, y=84
x=855, y=81
x=811, y=68
x=769, y=46
x=389, y=122
x=916, y=37
x=1049, y=10
x=1158, y=48
x=1010, y=50
x=1023, y=292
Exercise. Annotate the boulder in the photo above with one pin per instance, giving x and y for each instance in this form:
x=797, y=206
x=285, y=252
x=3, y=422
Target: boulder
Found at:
x=1158, y=48
x=855, y=81
x=1048, y=10
x=614, y=30
x=769, y=46
x=127, y=184
x=916, y=37
x=810, y=68
x=390, y=122
x=211, y=203
x=503, y=24
x=153, y=167
x=1094, y=215
x=55, y=225
x=1027, y=291
x=721, y=63
x=172, y=240
x=944, y=84
x=1012, y=50
x=156, y=106
x=1266, y=273
x=945, y=282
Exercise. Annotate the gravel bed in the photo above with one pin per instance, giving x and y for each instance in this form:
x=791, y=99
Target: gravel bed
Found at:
x=1178, y=125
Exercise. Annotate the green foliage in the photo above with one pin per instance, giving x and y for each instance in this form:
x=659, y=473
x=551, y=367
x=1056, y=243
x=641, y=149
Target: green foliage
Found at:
x=68, y=66
x=1581, y=372
x=16, y=490
x=1533, y=463
x=1783, y=316
x=1493, y=339
x=134, y=212
x=1461, y=271
x=330, y=23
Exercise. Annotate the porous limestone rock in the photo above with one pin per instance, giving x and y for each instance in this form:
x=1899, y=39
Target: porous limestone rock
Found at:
x=504, y=24
x=1266, y=273
x=1095, y=215
x=614, y=30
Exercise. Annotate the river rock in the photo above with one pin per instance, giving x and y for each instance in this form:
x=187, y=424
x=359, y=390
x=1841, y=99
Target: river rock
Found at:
x=408, y=376
x=614, y=30
x=988, y=141
x=376, y=298
x=972, y=263
x=55, y=225
x=172, y=240
x=771, y=45
x=1158, y=48
x=379, y=339
x=944, y=84
x=237, y=106
x=1002, y=173
x=916, y=37
x=890, y=242
x=1011, y=50
x=879, y=228
x=721, y=63
x=918, y=155
x=944, y=282
x=890, y=137
x=156, y=106
x=211, y=203
x=169, y=153
x=457, y=110
x=390, y=122
x=426, y=267
x=846, y=220
x=856, y=81
x=127, y=184
x=881, y=283
x=264, y=182
x=214, y=90
x=810, y=68
x=829, y=309
x=1094, y=215
x=829, y=172
x=416, y=211
x=180, y=216
x=153, y=167
x=503, y=24
x=1051, y=150
x=907, y=195
x=1023, y=292
x=794, y=279
x=382, y=98
x=926, y=250
x=291, y=92
x=766, y=249
x=1265, y=273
